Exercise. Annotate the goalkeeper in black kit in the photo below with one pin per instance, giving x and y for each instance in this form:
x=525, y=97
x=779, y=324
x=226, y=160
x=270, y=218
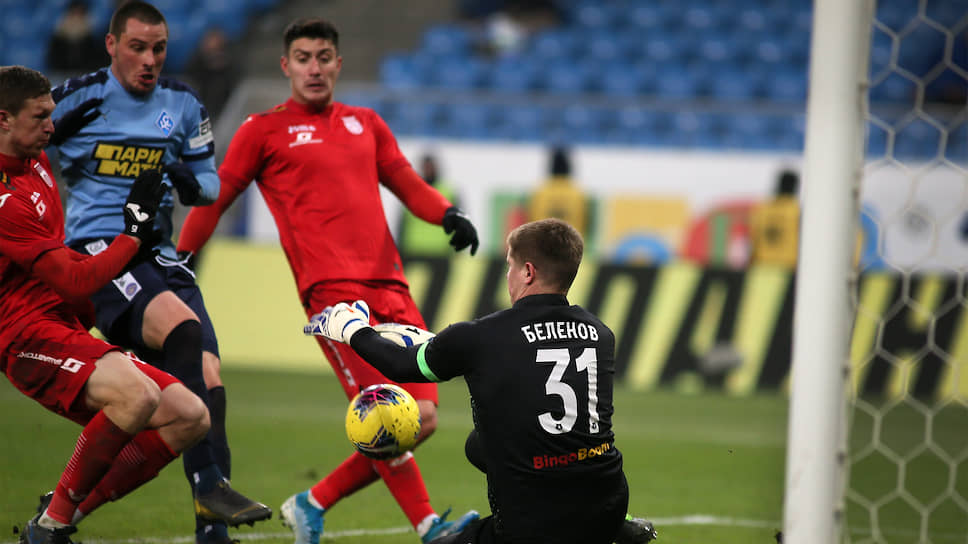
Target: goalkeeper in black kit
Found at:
x=540, y=375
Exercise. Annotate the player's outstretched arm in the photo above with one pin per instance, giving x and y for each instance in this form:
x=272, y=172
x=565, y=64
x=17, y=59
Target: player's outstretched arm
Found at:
x=349, y=324
x=73, y=278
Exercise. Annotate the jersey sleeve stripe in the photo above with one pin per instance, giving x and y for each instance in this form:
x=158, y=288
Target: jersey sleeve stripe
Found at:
x=422, y=364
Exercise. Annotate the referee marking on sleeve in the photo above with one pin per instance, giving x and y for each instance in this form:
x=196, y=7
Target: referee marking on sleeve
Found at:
x=422, y=363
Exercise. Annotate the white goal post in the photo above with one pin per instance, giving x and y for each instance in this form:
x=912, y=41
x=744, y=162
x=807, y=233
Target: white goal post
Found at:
x=833, y=165
x=877, y=451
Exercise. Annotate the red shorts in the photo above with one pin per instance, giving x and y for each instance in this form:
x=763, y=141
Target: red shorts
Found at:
x=389, y=302
x=51, y=361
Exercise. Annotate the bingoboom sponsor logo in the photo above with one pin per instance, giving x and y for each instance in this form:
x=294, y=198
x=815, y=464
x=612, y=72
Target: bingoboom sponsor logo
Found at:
x=565, y=459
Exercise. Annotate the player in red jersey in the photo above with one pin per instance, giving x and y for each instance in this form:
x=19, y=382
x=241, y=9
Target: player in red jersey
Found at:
x=319, y=165
x=136, y=418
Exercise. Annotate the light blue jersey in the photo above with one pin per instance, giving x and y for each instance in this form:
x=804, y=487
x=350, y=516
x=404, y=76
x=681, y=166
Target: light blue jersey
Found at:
x=133, y=133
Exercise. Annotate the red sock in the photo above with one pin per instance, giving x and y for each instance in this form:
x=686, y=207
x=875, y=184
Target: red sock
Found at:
x=402, y=477
x=99, y=443
x=353, y=474
x=138, y=462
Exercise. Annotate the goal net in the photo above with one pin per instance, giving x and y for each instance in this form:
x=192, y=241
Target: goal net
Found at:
x=907, y=447
x=878, y=435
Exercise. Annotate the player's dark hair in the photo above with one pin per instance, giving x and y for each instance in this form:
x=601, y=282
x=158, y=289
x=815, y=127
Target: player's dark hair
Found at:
x=553, y=246
x=18, y=84
x=135, y=9
x=313, y=27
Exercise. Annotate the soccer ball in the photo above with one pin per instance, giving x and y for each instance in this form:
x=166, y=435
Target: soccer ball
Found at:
x=383, y=421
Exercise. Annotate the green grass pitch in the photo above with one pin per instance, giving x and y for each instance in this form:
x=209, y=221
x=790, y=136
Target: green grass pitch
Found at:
x=685, y=456
x=706, y=468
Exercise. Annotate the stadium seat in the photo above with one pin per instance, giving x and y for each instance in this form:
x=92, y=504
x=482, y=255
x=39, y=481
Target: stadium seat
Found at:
x=673, y=81
x=644, y=17
x=553, y=44
x=472, y=120
x=921, y=49
x=458, y=73
x=917, y=139
x=893, y=88
x=514, y=74
x=522, y=122
x=786, y=86
x=446, y=40
x=619, y=79
x=598, y=16
x=568, y=77
x=876, y=140
x=400, y=72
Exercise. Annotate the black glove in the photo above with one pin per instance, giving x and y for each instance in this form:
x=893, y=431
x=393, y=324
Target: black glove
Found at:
x=183, y=179
x=73, y=121
x=465, y=234
x=142, y=205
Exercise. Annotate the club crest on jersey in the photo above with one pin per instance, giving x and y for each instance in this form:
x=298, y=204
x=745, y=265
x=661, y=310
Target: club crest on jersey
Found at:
x=165, y=123
x=5, y=181
x=43, y=174
x=353, y=124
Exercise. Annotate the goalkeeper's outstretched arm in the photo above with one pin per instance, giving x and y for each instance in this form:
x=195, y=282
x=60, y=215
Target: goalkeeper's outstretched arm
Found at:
x=396, y=362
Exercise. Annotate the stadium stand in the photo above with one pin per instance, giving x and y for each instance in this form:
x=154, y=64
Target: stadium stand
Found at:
x=607, y=73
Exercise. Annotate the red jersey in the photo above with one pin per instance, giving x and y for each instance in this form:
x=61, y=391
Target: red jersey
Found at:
x=31, y=223
x=319, y=173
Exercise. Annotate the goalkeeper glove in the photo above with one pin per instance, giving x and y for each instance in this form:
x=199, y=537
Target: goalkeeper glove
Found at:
x=456, y=221
x=73, y=121
x=339, y=322
x=403, y=335
x=142, y=205
x=183, y=179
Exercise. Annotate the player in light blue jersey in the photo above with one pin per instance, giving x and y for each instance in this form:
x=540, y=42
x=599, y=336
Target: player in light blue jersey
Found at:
x=109, y=126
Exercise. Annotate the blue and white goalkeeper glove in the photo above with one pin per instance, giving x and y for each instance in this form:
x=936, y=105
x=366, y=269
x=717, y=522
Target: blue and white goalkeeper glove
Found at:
x=339, y=322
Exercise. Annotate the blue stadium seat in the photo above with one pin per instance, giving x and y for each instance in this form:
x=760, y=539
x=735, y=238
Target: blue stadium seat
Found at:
x=732, y=85
x=661, y=48
x=893, y=88
x=673, y=81
x=599, y=16
x=645, y=17
x=568, y=77
x=921, y=50
x=956, y=149
x=446, y=40
x=418, y=118
x=467, y=120
x=881, y=51
x=604, y=47
x=918, y=139
x=786, y=86
x=620, y=79
x=876, y=140
x=458, y=73
x=513, y=74
x=786, y=133
x=398, y=71
x=554, y=44
x=896, y=15
x=747, y=131
x=522, y=123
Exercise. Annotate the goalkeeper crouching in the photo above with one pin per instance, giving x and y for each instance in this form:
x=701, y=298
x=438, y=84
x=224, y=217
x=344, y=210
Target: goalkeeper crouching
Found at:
x=540, y=375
